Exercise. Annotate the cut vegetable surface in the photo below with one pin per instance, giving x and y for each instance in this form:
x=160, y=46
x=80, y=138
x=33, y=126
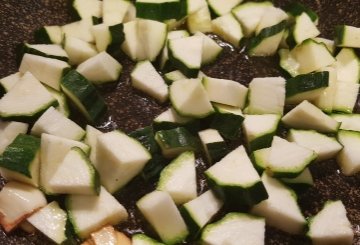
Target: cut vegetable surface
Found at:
x=9, y=131
x=347, y=36
x=228, y=28
x=213, y=144
x=348, y=159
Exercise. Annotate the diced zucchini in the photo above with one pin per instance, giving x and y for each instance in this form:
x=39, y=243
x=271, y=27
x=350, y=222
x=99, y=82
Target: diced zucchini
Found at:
x=345, y=97
x=273, y=17
x=52, y=153
x=324, y=146
x=132, y=45
x=46, y=70
x=348, y=158
x=108, y=235
x=331, y=226
x=179, y=178
x=213, y=144
x=114, y=11
x=9, y=131
x=80, y=30
x=160, y=10
x=108, y=38
x=189, y=98
x=347, y=66
x=49, y=34
x=199, y=20
x=101, y=68
x=227, y=92
x=347, y=36
x=26, y=101
x=348, y=121
x=280, y=209
x=21, y=160
x=330, y=44
x=84, y=95
x=17, y=202
x=9, y=81
x=227, y=120
x=235, y=180
x=51, y=221
x=200, y=211
x=260, y=159
x=175, y=141
x=146, y=137
x=325, y=101
x=145, y=78
x=84, y=9
x=117, y=167
x=221, y=8
x=307, y=116
x=266, y=96
x=228, y=28
x=161, y=212
x=306, y=87
x=170, y=119
x=301, y=182
x=210, y=50
x=78, y=50
x=185, y=54
x=54, y=51
x=91, y=137
x=61, y=99
x=142, y=239
x=173, y=76
x=89, y=213
x=75, y=175
x=288, y=159
x=259, y=130
x=249, y=15
x=235, y=228
x=194, y=5
x=55, y=123
x=296, y=9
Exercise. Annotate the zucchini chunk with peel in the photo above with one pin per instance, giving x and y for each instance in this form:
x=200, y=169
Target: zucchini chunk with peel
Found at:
x=173, y=76
x=145, y=78
x=6, y=83
x=179, y=178
x=307, y=116
x=280, y=209
x=75, y=175
x=325, y=100
x=79, y=30
x=235, y=180
x=119, y=159
x=142, y=239
x=220, y=7
x=228, y=28
x=55, y=123
x=61, y=99
x=21, y=160
x=84, y=9
x=175, y=141
x=348, y=121
x=347, y=36
x=91, y=137
x=17, y=202
x=348, y=158
x=324, y=146
x=170, y=119
x=266, y=96
x=260, y=159
x=234, y=229
x=301, y=182
x=88, y=213
x=189, y=98
x=51, y=221
x=210, y=50
x=200, y=211
x=272, y=17
x=26, y=101
x=9, y=131
x=84, y=95
x=288, y=159
x=49, y=35
x=146, y=136
x=114, y=11
x=345, y=97
x=295, y=9
x=161, y=212
x=331, y=226
x=52, y=153
x=232, y=93
x=54, y=51
x=347, y=66
x=108, y=38
x=199, y=20
x=259, y=130
x=213, y=144
x=160, y=10
x=78, y=50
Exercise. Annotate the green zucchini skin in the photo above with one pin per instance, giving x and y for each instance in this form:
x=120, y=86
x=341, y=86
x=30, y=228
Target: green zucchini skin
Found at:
x=188, y=72
x=217, y=150
x=339, y=34
x=228, y=124
x=261, y=142
x=306, y=82
x=41, y=36
x=296, y=8
x=146, y=137
x=117, y=38
x=193, y=227
x=161, y=11
x=24, y=48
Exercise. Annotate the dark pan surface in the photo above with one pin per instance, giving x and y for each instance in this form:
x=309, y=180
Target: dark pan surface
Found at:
x=129, y=109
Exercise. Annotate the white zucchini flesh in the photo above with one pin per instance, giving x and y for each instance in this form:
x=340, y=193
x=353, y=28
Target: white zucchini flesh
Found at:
x=304, y=178
x=210, y=136
x=51, y=221
x=55, y=123
x=49, y=49
x=324, y=146
x=161, y=212
x=307, y=116
x=330, y=44
x=258, y=125
x=221, y=7
x=9, y=81
x=234, y=229
x=79, y=29
x=119, y=159
x=100, y=68
x=349, y=36
x=345, y=96
x=348, y=121
x=189, y=98
x=78, y=50
x=347, y=66
x=34, y=99
x=288, y=158
x=268, y=46
x=280, y=209
x=325, y=101
x=46, y=70
x=91, y=140
x=107, y=235
x=272, y=17
x=210, y=49
x=86, y=9
x=331, y=226
x=145, y=78
x=228, y=28
x=195, y=5
x=102, y=36
x=54, y=33
x=164, y=58
x=9, y=131
x=52, y=153
x=142, y=239
x=131, y=45
x=173, y=76
x=199, y=20
x=249, y=15
x=17, y=202
x=225, y=91
x=266, y=96
x=304, y=28
x=170, y=115
x=179, y=178
x=114, y=11
x=89, y=213
x=348, y=158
